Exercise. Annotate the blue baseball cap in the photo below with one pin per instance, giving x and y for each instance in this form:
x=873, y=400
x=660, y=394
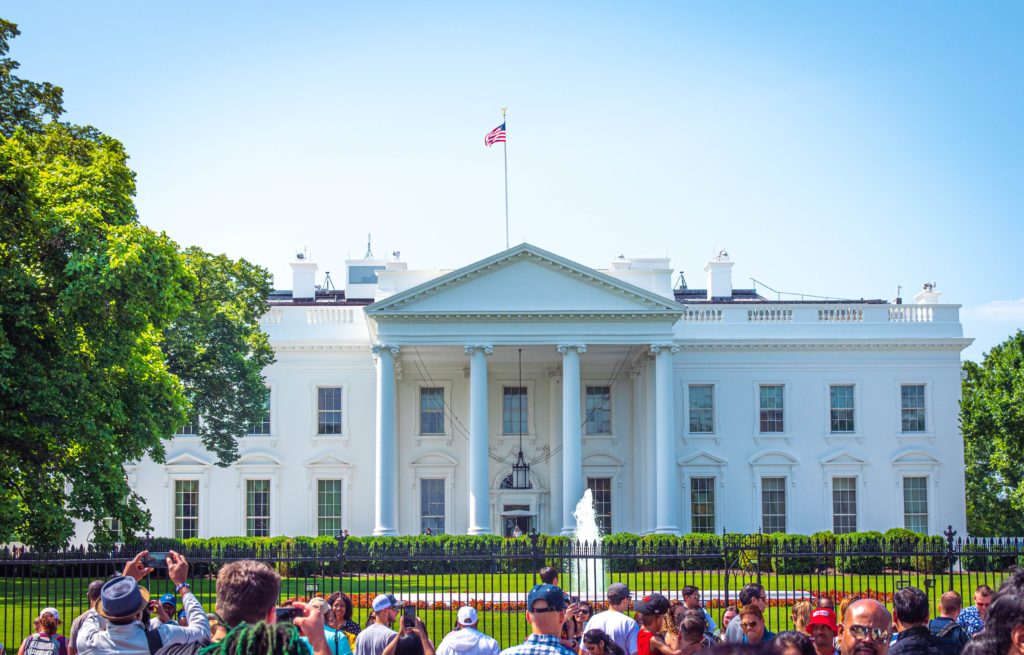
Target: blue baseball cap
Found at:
x=168, y=599
x=554, y=596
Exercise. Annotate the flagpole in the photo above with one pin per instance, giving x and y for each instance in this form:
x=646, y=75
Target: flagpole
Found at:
x=504, y=147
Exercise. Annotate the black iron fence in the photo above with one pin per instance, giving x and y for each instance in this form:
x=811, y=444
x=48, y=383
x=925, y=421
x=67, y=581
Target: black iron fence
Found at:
x=439, y=575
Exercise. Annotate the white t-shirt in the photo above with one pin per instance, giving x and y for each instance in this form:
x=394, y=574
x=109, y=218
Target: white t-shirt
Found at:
x=622, y=629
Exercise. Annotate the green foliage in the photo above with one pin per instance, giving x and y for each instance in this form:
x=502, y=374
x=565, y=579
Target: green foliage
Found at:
x=992, y=422
x=23, y=104
x=856, y=549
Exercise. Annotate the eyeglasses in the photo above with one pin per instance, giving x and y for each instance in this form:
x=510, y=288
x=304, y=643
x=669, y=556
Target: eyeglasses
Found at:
x=748, y=625
x=544, y=610
x=877, y=635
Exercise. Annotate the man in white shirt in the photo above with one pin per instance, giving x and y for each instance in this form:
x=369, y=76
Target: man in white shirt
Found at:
x=467, y=640
x=622, y=629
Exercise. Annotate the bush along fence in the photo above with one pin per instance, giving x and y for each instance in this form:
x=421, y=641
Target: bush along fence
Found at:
x=441, y=573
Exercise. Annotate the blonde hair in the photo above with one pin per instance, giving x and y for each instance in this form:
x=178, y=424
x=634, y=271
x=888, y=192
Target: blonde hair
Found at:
x=801, y=615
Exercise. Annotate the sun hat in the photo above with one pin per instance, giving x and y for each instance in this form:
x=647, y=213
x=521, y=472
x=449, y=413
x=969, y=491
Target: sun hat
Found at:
x=121, y=597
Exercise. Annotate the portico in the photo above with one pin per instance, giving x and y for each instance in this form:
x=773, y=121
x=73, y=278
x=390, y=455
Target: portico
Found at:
x=477, y=318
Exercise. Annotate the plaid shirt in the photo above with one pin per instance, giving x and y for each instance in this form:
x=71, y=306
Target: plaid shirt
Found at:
x=539, y=645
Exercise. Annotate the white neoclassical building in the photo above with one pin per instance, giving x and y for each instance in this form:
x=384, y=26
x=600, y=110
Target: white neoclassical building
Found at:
x=400, y=402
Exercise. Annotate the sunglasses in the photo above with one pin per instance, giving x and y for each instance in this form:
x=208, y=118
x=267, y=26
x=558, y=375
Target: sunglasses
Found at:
x=877, y=635
x=544, y=610
x=749, y=625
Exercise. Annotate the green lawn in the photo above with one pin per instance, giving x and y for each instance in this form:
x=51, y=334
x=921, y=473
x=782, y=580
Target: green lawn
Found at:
x=21, y=599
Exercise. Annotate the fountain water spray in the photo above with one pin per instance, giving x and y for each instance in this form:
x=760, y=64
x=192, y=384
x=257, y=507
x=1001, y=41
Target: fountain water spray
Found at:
x=587, y=569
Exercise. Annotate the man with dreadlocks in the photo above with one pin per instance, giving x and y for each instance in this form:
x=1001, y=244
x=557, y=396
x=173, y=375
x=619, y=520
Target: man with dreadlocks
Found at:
x=271, y=638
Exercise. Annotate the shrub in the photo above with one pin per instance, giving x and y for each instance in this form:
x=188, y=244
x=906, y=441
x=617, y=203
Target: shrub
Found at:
x=859, y=552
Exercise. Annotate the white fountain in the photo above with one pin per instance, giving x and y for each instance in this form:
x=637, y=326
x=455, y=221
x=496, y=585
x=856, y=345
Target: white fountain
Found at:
x=587, y=573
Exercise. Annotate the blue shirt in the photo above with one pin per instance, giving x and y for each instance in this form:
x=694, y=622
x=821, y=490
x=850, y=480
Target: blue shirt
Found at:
x=539, y=645
x=971, y=620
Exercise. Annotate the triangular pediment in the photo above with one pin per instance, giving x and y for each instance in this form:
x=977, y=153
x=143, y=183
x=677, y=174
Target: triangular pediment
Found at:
x=773, y=458
x=327, y=461
x=843, y=458
x=186, y=459
x=702, y=458
x=525, y=280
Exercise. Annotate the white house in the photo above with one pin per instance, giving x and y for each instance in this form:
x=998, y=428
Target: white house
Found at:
x=400, y=403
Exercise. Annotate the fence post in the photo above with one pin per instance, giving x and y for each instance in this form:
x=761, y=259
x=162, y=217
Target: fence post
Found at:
x=725, y=560
x=950, y=533
x=341, y=537
x=534, y=537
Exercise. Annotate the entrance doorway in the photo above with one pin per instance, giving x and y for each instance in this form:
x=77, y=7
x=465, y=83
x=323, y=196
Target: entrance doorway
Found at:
x=517, y=518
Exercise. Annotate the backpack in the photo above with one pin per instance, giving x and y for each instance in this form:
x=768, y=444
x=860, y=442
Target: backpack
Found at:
x=950, y=639
x=37, y=645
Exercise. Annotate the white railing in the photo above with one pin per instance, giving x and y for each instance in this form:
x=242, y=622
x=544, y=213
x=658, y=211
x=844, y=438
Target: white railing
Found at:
x=703, y=316
x=770, y=315
x=273, y=317
x=911, y=314
x=324, y=315
x=841, y=315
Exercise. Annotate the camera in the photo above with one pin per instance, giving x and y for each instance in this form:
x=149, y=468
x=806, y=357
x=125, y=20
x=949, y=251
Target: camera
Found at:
x=287, y=614
x=409, y=620
x=156, y=559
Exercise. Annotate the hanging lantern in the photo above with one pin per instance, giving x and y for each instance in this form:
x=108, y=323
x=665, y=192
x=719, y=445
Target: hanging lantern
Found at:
x=521, y=472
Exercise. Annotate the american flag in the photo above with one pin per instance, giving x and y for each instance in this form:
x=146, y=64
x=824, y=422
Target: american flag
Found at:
x=497, y=135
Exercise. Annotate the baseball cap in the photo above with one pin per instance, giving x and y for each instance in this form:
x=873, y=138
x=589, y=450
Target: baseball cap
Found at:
x=823, y=616
x=554, y=596
x=168, y=599
x=617, y=592
x=385, y=601
x=467, y=615
x=653, y=604
x=51, y=610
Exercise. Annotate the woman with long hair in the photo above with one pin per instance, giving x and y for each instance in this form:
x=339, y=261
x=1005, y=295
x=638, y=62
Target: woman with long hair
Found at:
x=801, y=615
x=597, y=642
x=341, y=605
x=45, y=637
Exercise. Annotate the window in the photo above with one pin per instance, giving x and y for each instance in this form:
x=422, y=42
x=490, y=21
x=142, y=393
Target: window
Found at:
x=771, y=401
x=113, y=528
x=189, y=429
x=262, y=427
x=773, y=504
x=601, y=490
x=702, y=505
x=841, y=408
x=912, y=404
x=431, y=410
x=599, y=410
x=257, y=508
x=432, y=505
x=844, y=505
x=328, y=410
x=363, y=274
x=328, y=507
x=186, y=509
x=915, y=504
x=514, y=410
x=702, y=408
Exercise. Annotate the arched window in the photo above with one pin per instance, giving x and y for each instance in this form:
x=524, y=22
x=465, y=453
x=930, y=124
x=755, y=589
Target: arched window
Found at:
x=509, y=483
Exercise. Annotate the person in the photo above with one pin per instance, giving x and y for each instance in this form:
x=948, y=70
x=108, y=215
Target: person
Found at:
x=341, y=606
x=371, y=618
x=412, y=640
x=517, y=532
x=731, y=612
x=337, y=640
x=973, y=618
x=751, y=593
x=910, y=614
x=93, y=597
x=950, y=636
x=823, y=630
x=1004, y=620
x=622, y=629
x=596, y=642
x=584, y=611
x=247, y=593
x=824, y=602
x=375, y=638
x=865, y=629
x=548, y=575
x=169, y=605
x=122, y=602
x=751, y=620
x=428, y=532
x=792, y=642
x=692, y=632
x=45, y=641
x=272, y=638
x=545, y=612
x=801, y=614
x=691, y=598
x=467, y=640
x=35, y=629
x=651, y=640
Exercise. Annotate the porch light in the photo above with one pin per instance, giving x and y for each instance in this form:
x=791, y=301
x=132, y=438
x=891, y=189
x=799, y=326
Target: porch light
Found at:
x=521, y=472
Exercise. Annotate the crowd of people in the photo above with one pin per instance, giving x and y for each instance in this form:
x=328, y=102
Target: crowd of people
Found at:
x=122, y=619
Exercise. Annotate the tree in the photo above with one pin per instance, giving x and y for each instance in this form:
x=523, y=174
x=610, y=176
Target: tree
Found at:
x=107, y=329
x=992, y=421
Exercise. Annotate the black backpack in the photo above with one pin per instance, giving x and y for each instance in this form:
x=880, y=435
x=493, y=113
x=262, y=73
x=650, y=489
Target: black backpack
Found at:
x=950, y=639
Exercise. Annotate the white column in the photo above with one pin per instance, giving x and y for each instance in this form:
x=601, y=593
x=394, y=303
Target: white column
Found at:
x=479, y=486
x=554, y=523
x=666, y=480
x=572, y=435
x=385, y=513
x=651, y=449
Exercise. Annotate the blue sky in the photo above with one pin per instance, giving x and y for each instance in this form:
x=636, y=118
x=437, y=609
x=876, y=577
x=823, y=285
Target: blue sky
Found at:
x=837, y=149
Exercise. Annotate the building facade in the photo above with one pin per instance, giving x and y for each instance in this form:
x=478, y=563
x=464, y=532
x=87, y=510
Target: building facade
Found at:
x=399, y=404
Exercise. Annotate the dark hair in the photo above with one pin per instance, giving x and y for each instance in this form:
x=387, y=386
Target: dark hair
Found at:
x=950, y=602
x=749, y=592
x=826, y=602
x=752, y=610
x=260, y=639
x=548, y=574
x=246, y=591
x=910, y=606
x=689, y=589
x=333, y=598
x=596, y=636
x=739, y=648
x=797, y=640
x=1004, y=614
x=732, y=608
x=409, y=645
x=692, y=626
x=48, y=622
x=95, y=587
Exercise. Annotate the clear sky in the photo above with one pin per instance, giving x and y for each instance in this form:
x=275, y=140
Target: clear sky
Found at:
x=837, y=149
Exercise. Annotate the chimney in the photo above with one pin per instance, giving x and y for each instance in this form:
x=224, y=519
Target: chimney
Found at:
x=927, y=295
x=303, y=278
x=719, y=277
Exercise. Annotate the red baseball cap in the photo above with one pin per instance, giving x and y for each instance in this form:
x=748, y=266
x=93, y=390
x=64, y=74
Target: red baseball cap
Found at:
x=823, y=616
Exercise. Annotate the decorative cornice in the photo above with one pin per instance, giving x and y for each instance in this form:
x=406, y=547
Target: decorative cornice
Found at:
x=526, y=252
x=552, y=315
x=309, y=347
x=953, y=345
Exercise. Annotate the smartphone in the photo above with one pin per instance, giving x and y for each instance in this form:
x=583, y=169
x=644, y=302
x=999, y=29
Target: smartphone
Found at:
x=287, y=614
x=574, y=600
x=409, y=620
x=157, y=559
